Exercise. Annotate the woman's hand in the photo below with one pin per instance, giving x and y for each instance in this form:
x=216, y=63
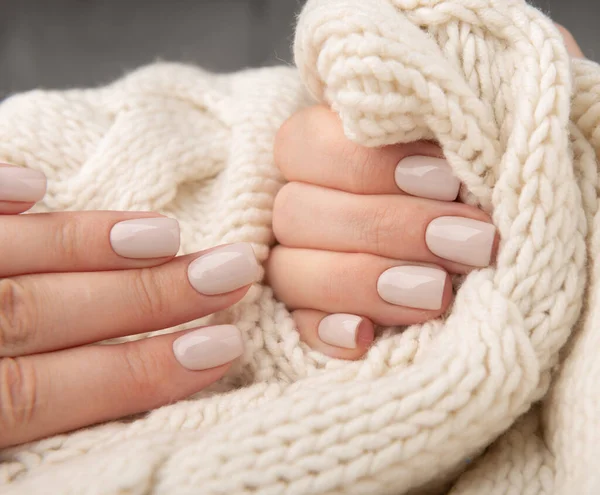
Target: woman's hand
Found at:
x=367, y=235
x=69, y=280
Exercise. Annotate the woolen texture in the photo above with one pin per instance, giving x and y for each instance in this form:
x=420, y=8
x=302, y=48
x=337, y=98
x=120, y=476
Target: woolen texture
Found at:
x=501, y=396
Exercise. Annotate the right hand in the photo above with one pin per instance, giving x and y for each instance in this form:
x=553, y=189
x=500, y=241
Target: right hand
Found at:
x=71, y=279
x=353, y=243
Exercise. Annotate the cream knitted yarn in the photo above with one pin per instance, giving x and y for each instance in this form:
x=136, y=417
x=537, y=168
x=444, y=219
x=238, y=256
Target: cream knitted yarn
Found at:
x=482, y=402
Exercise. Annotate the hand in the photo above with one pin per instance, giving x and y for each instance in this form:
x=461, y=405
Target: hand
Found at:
x=366, y=235
x=72, y=279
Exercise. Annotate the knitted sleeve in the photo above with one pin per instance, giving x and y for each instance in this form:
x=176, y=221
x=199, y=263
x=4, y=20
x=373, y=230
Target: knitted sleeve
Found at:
x=501, y=396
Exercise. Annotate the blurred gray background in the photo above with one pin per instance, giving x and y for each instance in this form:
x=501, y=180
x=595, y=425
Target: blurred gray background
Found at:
x=66, y=43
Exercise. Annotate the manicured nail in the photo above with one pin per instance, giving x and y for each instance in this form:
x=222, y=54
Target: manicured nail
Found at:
x=224, y=269
x=21, y=184
x=208, y=347
x=344, y=330
x=427, y=177
x=419, y=287
x=462, y=240
x=145, y=238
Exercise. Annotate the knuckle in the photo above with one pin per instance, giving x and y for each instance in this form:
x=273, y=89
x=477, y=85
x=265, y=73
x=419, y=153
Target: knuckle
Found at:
x=144, y=372
x=391, y=228
x=377, y=226
x=363, y=164
x=16, y=316
x=341, y=275
x=150, y=292
x=18, y=394
x=69, y=238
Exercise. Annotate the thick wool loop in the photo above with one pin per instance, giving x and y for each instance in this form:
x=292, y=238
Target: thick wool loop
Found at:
x=500, y=396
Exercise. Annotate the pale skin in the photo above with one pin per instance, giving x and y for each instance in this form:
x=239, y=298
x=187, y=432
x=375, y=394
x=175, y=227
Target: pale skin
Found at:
x=340, y=220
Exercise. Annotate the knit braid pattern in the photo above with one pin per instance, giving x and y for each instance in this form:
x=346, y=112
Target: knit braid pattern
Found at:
x=500, y=396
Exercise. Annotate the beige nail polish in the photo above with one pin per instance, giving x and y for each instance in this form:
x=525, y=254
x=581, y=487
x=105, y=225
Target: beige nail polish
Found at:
x=461, y=240
x=340, y=330
x=21, y=184
x=208, y=347
x=427, y=177
x=224, y=269
x=145, y=238
x=420, y=287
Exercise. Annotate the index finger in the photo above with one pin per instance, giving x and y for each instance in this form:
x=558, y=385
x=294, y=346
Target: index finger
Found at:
x=311, y=147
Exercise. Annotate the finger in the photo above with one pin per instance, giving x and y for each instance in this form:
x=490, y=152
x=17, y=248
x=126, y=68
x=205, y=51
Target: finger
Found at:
x=386, y=291
x=20, y=188
x=53, y=393
x=340, y=336
x=453, y=235
x=40, y=313
x=570, y=42
x=311, y=147
x=85, y=241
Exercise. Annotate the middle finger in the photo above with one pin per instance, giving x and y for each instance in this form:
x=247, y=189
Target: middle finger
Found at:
x=455, y=236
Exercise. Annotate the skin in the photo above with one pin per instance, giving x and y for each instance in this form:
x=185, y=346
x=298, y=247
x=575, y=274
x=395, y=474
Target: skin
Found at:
x=68, y=290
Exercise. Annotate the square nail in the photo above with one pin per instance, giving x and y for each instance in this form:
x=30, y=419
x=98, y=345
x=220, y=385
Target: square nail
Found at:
x=21, y=184
x=145, y=237
x=224, y=269
x=462, y=240
x=208, y=347
x=427, y=177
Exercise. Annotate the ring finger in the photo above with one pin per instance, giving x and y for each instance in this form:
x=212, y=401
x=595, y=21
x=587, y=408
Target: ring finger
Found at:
x=453, y=235
x=311, y=147
x=388, y=292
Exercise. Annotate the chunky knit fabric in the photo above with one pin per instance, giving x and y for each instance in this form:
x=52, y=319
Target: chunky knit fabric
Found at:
x=501, y=396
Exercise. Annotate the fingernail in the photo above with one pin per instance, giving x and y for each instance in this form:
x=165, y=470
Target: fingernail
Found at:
x=21, y=184
x=411, y=286
x=427, y=177
x=224, y=269
x=344, y=330
x=145, y=238
x=208, y=347
x=461, y=240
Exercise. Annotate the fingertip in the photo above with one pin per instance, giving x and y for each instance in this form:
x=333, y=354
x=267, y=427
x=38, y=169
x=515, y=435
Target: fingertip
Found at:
x=447, y=295
x=21, y=184
x=339, y=335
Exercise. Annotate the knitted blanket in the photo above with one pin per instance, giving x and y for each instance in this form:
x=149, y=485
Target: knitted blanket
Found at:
x=501, y=396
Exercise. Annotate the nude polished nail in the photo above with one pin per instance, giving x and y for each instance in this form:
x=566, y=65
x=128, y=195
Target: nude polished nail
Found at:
x=427, y=177
x=21, y=184
x=145, y=238
x=345, y=330
x=224, y=269
x=208, y=347
x=462, y=240
x=420, y=287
